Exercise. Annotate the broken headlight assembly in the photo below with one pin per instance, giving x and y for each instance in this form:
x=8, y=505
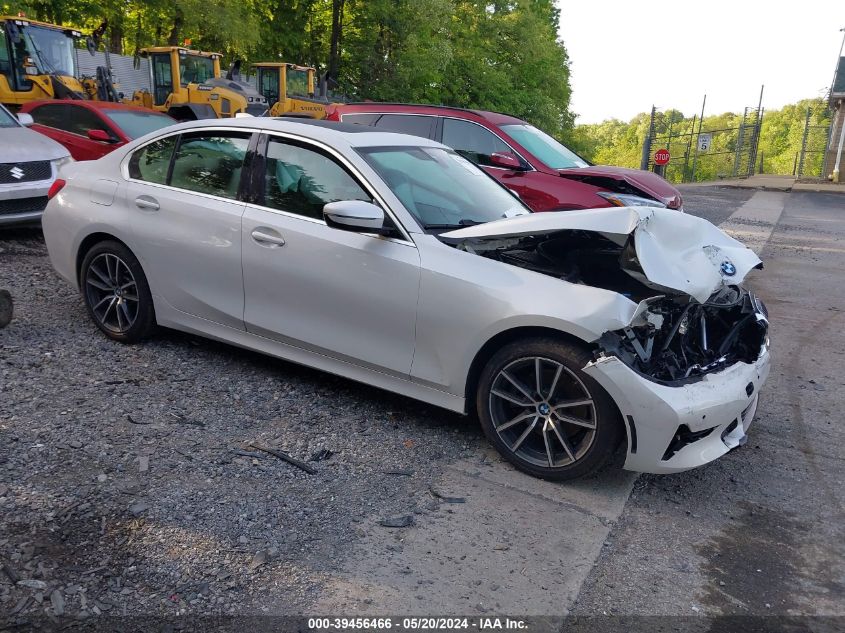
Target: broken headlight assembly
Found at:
x=628, y=200
x=678, y=339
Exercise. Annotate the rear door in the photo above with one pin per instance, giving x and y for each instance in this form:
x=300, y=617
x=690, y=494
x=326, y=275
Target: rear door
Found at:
x=187, y=215
x=347, y=295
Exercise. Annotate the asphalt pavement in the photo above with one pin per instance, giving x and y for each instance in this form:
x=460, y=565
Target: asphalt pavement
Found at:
x=760, y=531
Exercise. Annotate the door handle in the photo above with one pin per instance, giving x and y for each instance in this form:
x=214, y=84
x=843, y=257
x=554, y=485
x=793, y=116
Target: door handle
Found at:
x=147, y=202
x=267, y=237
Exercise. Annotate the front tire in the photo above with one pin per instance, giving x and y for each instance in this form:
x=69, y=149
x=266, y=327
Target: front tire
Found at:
x=543, y=414
x=116, y=293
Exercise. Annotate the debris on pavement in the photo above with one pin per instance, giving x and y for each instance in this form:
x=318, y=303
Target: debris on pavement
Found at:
x=285, y=457
x=32, y=584
x=446, y=498
x=57, y=600
x=398, y=522
x=399, y=472
x=6, y=308
x=321, y=455
x=139, y=508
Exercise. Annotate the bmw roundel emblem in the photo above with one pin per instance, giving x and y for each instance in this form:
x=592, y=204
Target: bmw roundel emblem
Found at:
x=728, y=269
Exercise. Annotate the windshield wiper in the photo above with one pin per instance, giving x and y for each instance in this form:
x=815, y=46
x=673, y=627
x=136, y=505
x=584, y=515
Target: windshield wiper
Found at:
x=459, y=224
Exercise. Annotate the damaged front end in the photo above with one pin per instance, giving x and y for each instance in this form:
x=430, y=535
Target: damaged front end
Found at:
x=691, y=317
x=677, y=339
x=686, y=365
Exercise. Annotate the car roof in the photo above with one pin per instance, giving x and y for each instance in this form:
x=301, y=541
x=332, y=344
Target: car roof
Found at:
x=498, y=118
x=95, y=105
x=327, y=131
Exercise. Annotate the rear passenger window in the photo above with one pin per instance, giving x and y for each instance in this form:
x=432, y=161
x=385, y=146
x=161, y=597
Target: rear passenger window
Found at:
x=210, y=163
x=302, y=181
x=151, y=162
x=472, y=141
x=360, y=119
x=407, y=124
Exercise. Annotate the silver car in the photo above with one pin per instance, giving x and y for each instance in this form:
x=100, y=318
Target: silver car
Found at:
x=29, y=163
x=393, y=261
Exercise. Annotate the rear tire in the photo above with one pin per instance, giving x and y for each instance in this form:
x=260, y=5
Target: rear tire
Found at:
x=116, y=293
x=543, y=414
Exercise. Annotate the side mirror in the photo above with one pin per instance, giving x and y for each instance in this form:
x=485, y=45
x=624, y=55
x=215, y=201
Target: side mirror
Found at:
x=25, y=119
x=508, y=161
x=100, y=135
x=354, y=215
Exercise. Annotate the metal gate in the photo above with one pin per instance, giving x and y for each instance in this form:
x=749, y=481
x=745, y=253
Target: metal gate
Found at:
x=815, y=141
x=128, y=78
x=701, y=153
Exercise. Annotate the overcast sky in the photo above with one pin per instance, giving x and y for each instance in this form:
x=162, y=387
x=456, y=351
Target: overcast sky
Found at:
x=627, y=55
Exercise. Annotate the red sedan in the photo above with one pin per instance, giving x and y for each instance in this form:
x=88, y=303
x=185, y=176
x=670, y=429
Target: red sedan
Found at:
x=92, y=129
x=547, y=175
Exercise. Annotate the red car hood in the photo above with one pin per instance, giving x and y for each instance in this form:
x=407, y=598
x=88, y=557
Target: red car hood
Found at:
x=647, y=182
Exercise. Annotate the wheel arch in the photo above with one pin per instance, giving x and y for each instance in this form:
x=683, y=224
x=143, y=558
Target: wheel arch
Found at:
x=89, y=242
x=485, y=353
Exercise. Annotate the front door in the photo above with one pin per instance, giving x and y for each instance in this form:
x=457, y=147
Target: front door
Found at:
x=162, y=67
x=348, y=295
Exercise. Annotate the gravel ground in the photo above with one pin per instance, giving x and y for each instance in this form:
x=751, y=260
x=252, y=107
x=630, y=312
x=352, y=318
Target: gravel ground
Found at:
x=127, y=479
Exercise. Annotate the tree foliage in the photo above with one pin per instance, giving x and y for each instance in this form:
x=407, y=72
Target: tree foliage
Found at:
x=499, y=55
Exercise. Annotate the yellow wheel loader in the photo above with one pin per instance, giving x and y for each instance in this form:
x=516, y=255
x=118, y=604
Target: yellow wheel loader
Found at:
x=37, y=61
x=187, y=85
x=290, y=90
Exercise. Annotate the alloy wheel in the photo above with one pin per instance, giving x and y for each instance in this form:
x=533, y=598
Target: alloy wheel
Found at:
x=543, y=412
x=112, y=293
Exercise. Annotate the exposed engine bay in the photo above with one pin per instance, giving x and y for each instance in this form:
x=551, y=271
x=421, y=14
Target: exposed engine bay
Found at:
x=683, y=339
x=675, y=337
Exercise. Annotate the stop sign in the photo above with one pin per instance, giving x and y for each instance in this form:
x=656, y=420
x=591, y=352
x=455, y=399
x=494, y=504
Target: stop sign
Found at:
x=661, y=157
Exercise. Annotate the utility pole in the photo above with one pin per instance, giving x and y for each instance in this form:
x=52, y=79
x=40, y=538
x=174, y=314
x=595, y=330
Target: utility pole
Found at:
x=697, y=139
x=841, y=115
x=647, y=143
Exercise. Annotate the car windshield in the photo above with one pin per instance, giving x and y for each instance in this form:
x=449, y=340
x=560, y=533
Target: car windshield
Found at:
x=135, y=124
x=544, y=147
x=195, y=69
x=297, y=82
x=7, y=119
x=53, y=50
x=440, y=188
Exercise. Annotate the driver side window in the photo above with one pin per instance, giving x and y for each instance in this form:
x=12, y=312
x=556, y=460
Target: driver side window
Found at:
x=472, y=141
x=301, y=180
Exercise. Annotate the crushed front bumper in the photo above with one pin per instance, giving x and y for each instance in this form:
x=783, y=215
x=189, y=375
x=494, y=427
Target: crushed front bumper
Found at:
x=675, y=428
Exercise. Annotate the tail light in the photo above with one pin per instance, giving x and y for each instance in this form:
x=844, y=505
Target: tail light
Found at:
x=56, y=187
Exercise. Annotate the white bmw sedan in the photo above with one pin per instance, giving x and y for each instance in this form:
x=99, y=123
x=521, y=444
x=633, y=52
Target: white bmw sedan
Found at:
x=394, y=261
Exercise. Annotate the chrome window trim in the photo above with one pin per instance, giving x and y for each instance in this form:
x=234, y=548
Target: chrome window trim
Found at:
x=367, y=186
x=356, y=173
x=124, y=163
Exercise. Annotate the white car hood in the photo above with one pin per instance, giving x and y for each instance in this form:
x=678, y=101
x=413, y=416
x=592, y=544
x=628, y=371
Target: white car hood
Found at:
x=22, y=145
x=676, y=251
